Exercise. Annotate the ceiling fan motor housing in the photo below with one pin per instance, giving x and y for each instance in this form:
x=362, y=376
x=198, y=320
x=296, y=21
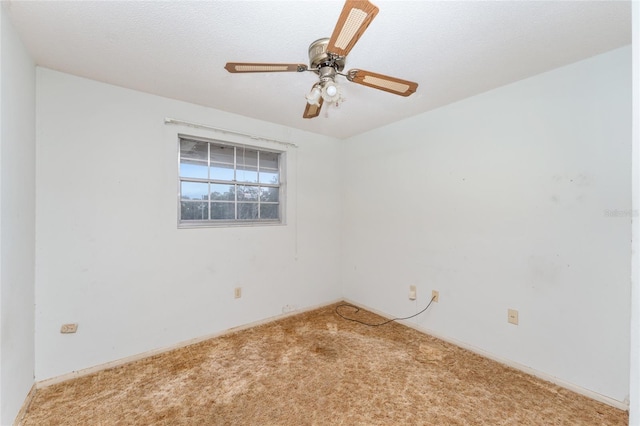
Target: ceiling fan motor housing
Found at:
x=320, y=58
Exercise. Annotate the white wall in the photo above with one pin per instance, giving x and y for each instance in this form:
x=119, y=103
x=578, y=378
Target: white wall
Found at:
x=17, y=221
x=109, y=254
x=500, y=201
x=634, y=391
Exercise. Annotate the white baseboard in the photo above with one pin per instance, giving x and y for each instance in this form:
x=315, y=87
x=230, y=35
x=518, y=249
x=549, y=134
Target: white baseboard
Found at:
x=111, y=364
x=622, y=405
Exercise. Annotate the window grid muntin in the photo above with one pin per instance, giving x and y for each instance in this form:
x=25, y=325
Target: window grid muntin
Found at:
x=259, y=186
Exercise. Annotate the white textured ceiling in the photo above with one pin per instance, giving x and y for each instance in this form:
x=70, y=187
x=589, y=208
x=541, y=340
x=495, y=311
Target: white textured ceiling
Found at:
x=178, y=50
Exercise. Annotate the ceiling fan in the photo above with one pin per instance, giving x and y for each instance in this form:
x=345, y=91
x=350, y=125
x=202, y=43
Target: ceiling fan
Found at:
x=327, y=59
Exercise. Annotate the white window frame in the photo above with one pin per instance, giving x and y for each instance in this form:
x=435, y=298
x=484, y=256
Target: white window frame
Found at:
x=281, y=155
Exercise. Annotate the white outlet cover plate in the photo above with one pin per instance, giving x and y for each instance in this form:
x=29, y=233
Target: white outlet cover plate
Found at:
x=69, y=328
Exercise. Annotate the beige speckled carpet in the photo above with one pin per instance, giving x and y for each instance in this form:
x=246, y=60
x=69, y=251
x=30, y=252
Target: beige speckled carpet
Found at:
x=316, y=369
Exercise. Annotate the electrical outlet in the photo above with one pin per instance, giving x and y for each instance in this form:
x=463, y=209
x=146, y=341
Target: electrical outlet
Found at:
x=68, y=328
x=512, y=316
x=435, y=295
x=237, y=292
x=412, y=292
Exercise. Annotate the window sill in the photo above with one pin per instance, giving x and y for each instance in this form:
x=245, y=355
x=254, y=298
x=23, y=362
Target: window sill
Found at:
x=224, y=224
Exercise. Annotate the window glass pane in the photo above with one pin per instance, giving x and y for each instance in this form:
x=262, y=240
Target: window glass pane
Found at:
x=247, y=211
x=268, y=211
x=248, y=193
x=222, y=182
x=246, y=174
x=221, y=154
x=223, y=211
x=222, y=172
x=222, y=192
x=269, y=194
x=268, y=160
x=247, y=157
x=193, y=169
x=268, y=177
x=194, y=190
x=193, y=150
x=190, y=210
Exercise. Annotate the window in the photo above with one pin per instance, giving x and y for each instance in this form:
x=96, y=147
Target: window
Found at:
x=223, y=183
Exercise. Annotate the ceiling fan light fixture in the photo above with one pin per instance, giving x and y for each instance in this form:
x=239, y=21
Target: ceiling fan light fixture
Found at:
x=313, y=98
x=331, y=92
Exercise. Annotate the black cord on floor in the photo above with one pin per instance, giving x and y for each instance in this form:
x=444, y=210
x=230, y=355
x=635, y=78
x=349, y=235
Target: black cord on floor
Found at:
x=347, y=305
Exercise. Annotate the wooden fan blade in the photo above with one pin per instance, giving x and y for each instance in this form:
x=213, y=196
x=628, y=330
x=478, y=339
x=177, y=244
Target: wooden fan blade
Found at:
x=353, y=21
x=312, y=111
x=393, y=85
x=240, y=67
